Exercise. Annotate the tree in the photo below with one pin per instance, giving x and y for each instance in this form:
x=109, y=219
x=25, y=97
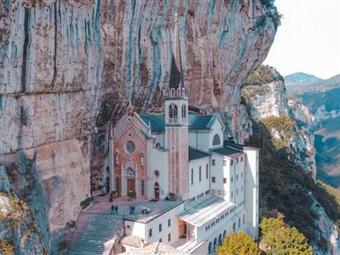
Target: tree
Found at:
x=238, y=244
x=279, y=239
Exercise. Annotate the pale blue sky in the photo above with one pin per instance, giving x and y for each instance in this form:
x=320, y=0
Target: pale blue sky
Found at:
x=308, y=39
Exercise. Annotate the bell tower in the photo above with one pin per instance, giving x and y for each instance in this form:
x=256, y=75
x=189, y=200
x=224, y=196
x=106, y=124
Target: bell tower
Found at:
x=176, y=126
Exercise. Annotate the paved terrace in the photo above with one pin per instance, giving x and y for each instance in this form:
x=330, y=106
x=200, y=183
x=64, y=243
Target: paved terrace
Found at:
x=96, y=225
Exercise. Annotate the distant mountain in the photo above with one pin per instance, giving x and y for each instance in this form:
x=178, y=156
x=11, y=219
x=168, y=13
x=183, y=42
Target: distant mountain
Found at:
x=299, y=87
x=301, y=79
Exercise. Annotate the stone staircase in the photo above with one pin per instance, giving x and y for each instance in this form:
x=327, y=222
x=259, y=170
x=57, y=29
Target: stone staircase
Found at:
x=90, y=238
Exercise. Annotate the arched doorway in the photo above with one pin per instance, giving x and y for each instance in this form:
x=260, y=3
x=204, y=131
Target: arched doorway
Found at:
x=130, y=180
x=156, y=191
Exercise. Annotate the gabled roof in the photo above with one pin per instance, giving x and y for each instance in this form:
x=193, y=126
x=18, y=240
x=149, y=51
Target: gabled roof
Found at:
x=156, y=121
x=226, y=151
x=196, y=154
x=203, y=122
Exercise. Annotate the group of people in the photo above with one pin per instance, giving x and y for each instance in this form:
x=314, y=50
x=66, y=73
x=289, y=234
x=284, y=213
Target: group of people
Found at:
x=114, y=209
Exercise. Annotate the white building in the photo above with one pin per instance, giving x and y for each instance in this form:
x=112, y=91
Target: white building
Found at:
x=201, y=189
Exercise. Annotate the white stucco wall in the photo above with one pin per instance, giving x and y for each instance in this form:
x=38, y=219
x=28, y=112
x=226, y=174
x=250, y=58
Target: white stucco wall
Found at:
x=198, y=187
x=199, y=139
x=252, y=190
x=158, y=160
x=217, y=172
x=163, y=219
x=159, y=138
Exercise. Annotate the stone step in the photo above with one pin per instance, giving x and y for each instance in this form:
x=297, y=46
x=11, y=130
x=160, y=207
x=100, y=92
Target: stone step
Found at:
x=92, y=236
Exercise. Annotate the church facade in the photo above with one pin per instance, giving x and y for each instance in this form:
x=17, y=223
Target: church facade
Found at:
x=180, y=158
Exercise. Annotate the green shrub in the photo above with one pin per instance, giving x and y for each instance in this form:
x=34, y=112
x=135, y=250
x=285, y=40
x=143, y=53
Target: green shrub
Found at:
x=6, y=247
x=238, y=244
x=284, y=125
x=262, y=75
x=86, y=202
x=279, y=239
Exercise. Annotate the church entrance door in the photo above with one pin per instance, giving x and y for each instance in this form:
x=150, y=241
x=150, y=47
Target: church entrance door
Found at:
x=156, y=191
x=131, y=187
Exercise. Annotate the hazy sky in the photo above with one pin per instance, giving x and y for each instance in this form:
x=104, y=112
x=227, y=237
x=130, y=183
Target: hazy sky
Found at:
x=308, y=39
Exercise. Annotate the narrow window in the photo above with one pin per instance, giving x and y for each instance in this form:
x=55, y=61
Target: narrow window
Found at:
x=169, y=222
x=150, y=232
x=213, y=179
x=160, y=227
x=184, y=111
x=142, y=188
x=231, y=162
x=171, y=113
x=213, y=162
x=169, y=237
x=224, y=180
x=175, y=111
x=200, y=174
x=192, y=176
x=206, y=171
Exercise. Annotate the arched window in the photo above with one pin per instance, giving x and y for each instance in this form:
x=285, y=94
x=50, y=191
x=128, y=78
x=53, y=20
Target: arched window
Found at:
x=234, y=227
x=220, y=239
x=184, y=111
x=224, y=233
x=175, y=111
x=239, y=222
x=215, y=243
x=216, y=140
x=210, y=248
x=171, y=111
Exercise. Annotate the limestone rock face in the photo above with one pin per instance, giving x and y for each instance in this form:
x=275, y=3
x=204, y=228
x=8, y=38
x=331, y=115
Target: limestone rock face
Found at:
x=267, y=100
x=68, y=68
x=270, y=100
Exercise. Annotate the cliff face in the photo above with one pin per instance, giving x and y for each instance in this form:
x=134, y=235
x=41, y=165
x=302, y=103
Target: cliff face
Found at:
x=268, y=103
x=284, y=130
x=68, y=67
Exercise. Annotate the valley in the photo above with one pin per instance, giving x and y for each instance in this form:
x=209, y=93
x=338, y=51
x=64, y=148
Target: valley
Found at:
x=322, y=99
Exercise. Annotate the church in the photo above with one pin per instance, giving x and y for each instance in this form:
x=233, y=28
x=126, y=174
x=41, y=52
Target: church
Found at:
x=201, y=187
x=191, y=187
